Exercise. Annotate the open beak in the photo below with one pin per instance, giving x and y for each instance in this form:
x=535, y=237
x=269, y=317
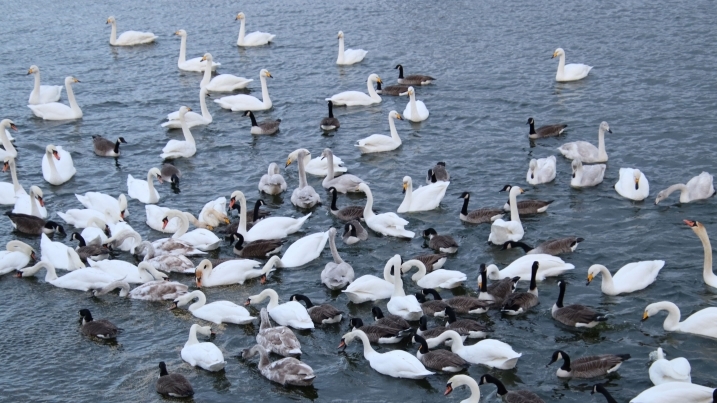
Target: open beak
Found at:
x=232, y=202
x=165, y=221
x=690, y=223
x=198, y=280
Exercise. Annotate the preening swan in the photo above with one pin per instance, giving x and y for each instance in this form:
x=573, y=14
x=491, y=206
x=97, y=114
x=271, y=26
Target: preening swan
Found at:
x=377, y=143
x=503, y=231
x=371, y=288
x=117, y=207
x=221, y=82
x=144, y=191
x=707, y=275
x=569, y=72
x=682, y=392
x=701, y=323
x=176, y=148
x=698, y=188
x=192, y=118
x=58, y=111
x=585, y=151
x=272, y=182
x=415, y=111
x=196, y=64
x=234, y=271
x=305, y=250
x=17, y=256
x=424, y=198
x=200, y=238
x=42, y=94
x=632, y=184
x=60, y=171
x=128, y=38
x=204, y=355
x=9, y=150
x=464, y=380
x=337, y=274
x=631, y=277
x=586, y=175
x=349, y=56
x=674, y=370
x=353, y=98
x=541, y=170
x=255, y=38
x=388, y=224
x=243, y=102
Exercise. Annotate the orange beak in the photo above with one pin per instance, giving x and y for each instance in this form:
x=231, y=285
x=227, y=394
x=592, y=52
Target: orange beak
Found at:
x=262, y=279
x=122, y=214
x=448, y=391
x=12, y=126
x=232, y=202
x=5, y=167
x=342, y=344
x=690, y=223
x=248, y=302
x=42, y=202
x=56, y=155
x=165, y=221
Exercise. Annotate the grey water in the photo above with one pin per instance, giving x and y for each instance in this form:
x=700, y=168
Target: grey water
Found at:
x=653, y=81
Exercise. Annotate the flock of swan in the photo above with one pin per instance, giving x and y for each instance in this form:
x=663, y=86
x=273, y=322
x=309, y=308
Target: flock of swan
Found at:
x=258, y=239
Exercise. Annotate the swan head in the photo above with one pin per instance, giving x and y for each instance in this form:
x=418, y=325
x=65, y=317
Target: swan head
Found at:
x=410, y=91
x=532, y=167
x=461, y=380
x=636, y=175
x=265, y=73
x=37, y=192
x=576, y=165
x=593, y=271
x=7, y=123
x=515, y=190
x=695, y=225
x=33, y=70
x=298, y=153
x=239, y=16
x=374, y=78
x=558, y=52
x=181, y=33
x=111, y=20
x=199, y=273
x=156, y=174
x=183, y=110
x=207, y=56
x=326, y=153
x=493, y=272
x=21, y=247
x=235, y=196
x=604, y=127
x=51, y=150
x=654, y=309
x=341, y=34
x=407, y=182
x=348, y=338
x=71, y=80
x=395, y=115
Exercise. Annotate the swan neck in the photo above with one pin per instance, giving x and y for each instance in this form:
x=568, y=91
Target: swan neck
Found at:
x=203, y=105
x=51, y=162
x=672, y=321
x=414, y=107
x=514, y=216
x=50, y=275
x=36, y=88
x=341, y=50
x=709, y=277
x=368, y=209
x=601, y=144
x=367, y=348
x=9, y=147
x=334, y=252
x=607, y=283
x=561, y=65
x=372, y=91
x=398, y=283
x=302, y=173
x=201, y=300
x=242, y=28
x=678, y=186
x=183, y=225
x=182, y=50
x=71, y=98
x=408, y=198
x=113, y=34
x=457, y=343
x=192, y=336
x=150, y=183
x=34, y=208
x=242, y=216
x=185, y=129
x=392, y=127
x=330, y=168
x=207, y=77
x=265, y=92
x=13, y=173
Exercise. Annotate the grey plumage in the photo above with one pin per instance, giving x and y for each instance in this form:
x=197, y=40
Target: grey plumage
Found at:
x=337, y=274
x=101, y=329
x=430, y=306
x=433, y=261
x=347, y=213
x=574, y=315
x=286, y=371
x=170, y=173
x=106, y=148
x=414, y=79
x=265, y=127
x=354, y=232
x=261, y=248
x=330, y=123
x=553, y=247
x=279, y=339
x=257, y=215
x=377, y=333
x=527, y=207
x=427, y=333
x=481, y=216
x=520, y=302
x=438, y=173
x=440, y=243
x=29, y=224
x=590, y=366
x=272, y=182
x=441, y=360
x=517, y=396
x=95, y=251
x=544, y=131
x=497, y=291
x=473, y=329
x=395, y=90
x=319, y=314
x=392, y=321
x=460, y=304
x=174, y=385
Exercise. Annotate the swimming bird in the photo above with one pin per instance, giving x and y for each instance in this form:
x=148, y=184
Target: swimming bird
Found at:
x=172, y=385
x=588, y=367
x=544, y=131
x=569, y=72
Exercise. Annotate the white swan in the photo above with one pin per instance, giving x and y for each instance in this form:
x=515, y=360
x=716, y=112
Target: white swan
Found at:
x=663, y=371
x=671, y=392
x=488, y=352
x=389, y=224
x=199, y=238
x=585, y=151
x=292, y=313
x=371, y=288
x=569, y=72
x=192, y=118
x=267, y=228
x=204, y=355
x=586, y=175
x=10, y=192
x=396, y=363
x=16, y=256
x=177, y=148
x=144, y=191
x=305, y=250
x=221, y=82
x=124, y=237
x=541, y=170
x=348, y=56
x=96, y=228
x=81, y=280
x=8, y=149
x=255, y=38
x=502, y=231
x=272, y=182
x=415, y=111
x=304, y=196
x=57, y=173
x=320, y=166
x=632, y=184
x=698, y=188
x=243, y=102
x=235, y=271
x=214, y=212
x=439, y=278
x=59, y=255
x=125, y=271
x=128, y=38
x=337, y=274
x=218, y=311
x=631, y=277
x=196, y=64
x=707, y=275
x=83, y=218
x=377, y=143
x=353, y=98
x=42, y=94
x=400, y=304
x=155, y=216
x=701, y=323
x=166, y=262
x=464, y=380
x=422, y=199
x=548, y=266
x=115, y=207
x=32, y=204
x=58, y=111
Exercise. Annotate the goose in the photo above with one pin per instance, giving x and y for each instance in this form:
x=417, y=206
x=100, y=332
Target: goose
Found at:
x=305, y=250
x=632, y=184
x=707, y=275
x=377, y=333
x=422, y=199
x=480, y=216
x=128, y=38
x=503, y=231
x=170, y=173
x=702, y=323
x=390, y=320
x=575, y=315
x=105, y=148
x=205, y=354
x=243, y=102
x=569, y=72
x=354, y=233
x=101, y=329
x=255, y=38
x=30, y=224
x=430, y=334
x=272, y=182
x=550, y=266
x=433, y=261
x=465, y=327
x=371, y=288
x=277, y=339
x=460, y=304
x=520, y=302
x=303, y=196
x=337, y=274
x=629, y=278
x=262, y=248
x=221, y=82
x=499, y=290
x=588, y=367
x=265, y=127
x=357, y=98
x=94, y=251
x=438, y=172
x=192, y=118
x=81, y=280
x=600, y=388
x=199, y=238
x=177, y=148
x=255, y=217
x=8, y=149
x=491, y=353
x=166, y=262
x=415, y=79
x=348, y=56
x=664, y=371
x=57, y=173
x=172, y=385
x=396, y=363
x=268, y=228
x=42, y=94
x=585, y=151
x=440, y=243
x=16, y=256
x=439, y=278
x=541, y=170
x=344, y=183
x=553, y=247
x=416, y=110
x=402, y=305
x=81, y=218
x=156, y=290
x=121, y=270
x=321, y=314
x=394, y=90
x=235, y=271
x=698, y=188
x=677, y=392
x=586, y=175
x=518, y=396
x=31, y=204
x=464, y=380
x=196, y=64
x=291, y=313
x=430, y=306
x=330, y=123
x=117, y=207
x=544, y=131
x=10, y=193
x=377, y=143
x=439, y=360
x=286, y=371
x=217, y=312
x=144, y=191
x=389, y=224
x=59, y=111
x=348, y=213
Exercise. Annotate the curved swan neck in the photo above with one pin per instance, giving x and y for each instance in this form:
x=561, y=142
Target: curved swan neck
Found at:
x=372, y=91
x=264, y=90
x=602, y=154
x=150, y=183
x=269, y=265
x=9, y=147
x=182, y=49
x=407, y=266
x=192, y=335
x=392, y=127
x=408, y=198
x=203, y=101
x=207, y=77
x=185, y=128
x=332, y=246
x=514, y=216
x=398, y=290
x=113, y=34
x=50, y=275
x=607, y=283
x=678, y=186
x=36, y=88
x=183, y=223
x=51, y=161
x=273, y=298
x=201, y=300
x=367, y=348
x=13, y=173
x=368, y=209
x=242, y=30
x=465, y=380
x=672, y=321
x=387, y=271
x=457, y=343
x=709, y=277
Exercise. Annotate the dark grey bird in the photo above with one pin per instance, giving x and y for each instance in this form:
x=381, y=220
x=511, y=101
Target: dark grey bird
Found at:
x=286, y=371
x=378, y=333
x=516, y=396
x=101, y=329
x=544, y=131
x=460, y=304
x=575, y=315
x=262, y=248
x=430, y=306
x=441, y=360
x=170, y=173
x=330, y=123
x=414, y=79
x=553, y=247
x=481, y=216
x=95, y=251
x=588, y=367
x=520, y=302
x=440, y=243
x=265, y=127
x=173, y=385
x=29, y=224
x=427, y=333
x=257, y=215
x=320, y=314
x=347, y=213
x=393, y=321
x=395, y=90
x=438, y=173
x=527, y=207
x=106, y=148
x=433, y=261
x=354, y=232
x=469, y=327
x=497, y=291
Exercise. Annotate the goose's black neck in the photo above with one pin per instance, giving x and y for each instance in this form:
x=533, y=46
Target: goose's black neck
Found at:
x=600, y=389
x=483, y=278
x=257, y=205
x=559, y=303
x=523, y=246
x=163, y=369
x=423, y=323
x=464, y=209
x=334, y=196
x=331, y=109
x=307, y=301
x=502, y=391
x=253, y=119
x=80, y=239
x=566, y=362
x=424, y=346
x=117, y=143
x=436, y=296
x=378, y=86
x=400, y=71
x=532, y=127
x=451, y=314
x=533, y=274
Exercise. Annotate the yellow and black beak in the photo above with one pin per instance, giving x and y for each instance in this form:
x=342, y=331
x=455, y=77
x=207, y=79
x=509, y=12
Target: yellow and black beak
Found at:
x=645, y=316
x=555, y=54
x=288, y=162
x=405, y=186
x=399, y=117
x=269, y=75
x=637, y=184
x=590, y=279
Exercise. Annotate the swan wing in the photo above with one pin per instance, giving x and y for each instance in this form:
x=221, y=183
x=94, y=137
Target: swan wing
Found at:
x=701, y=186
x=129, y=38
x=637, y=275
x=428, y=197
x=351, y=98
x=581, y=150
x=241, y=102
x=304, y=250
x=227, y=83
x=50, y=93
x=52, y=111
x=398, y=364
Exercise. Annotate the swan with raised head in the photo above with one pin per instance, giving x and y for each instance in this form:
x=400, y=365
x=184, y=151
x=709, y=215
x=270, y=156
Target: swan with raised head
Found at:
x=304, y=196
x=221, y=82
x=503, y=231
x=286, y=371
x=377, y=143
x=268, y=228
x=272, y=182
x=337, y=274
x=305, y=250
x=389, y=224
x=200, y=238
x=235, y=271
x=569, y=72
x=415, y=111
x=439, y=278
x=489, y=352
x=371, y=288
x=348, y=56
x=354, y=98
x=255, y=38
x=586, y=152
x=682, y=392
x=674, y=370
x=698, y=188
x=177, y=148
x=42, y=94
x=57, y=173
x=632, y=184
x=59, y=255
x=59, y=111
x=630, y=278
x=344, y=183
x=217, y=312
x=541, y=170
x=196, y=64
x=157, y=290
x=702, y=323
x=125, y=271
x=128, y=38
x=464, y=380
x=550, y=266
x=144, y=191
x=707, y=274
x=243, y=102
x=400, y=304
x=204, y=355
x=82, y=280
x=174, y=120
x=291, y=313
x=424, y=198
x=16, y=256
x=586, y=175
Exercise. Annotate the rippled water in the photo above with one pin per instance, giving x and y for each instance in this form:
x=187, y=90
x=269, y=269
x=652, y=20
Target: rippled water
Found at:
x=653, y=81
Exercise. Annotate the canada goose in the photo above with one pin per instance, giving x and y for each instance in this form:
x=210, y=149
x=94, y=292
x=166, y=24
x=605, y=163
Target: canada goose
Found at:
x=106, y=148
x=575, y=315
x=441, y=360
x=394, y=90
x=520, y=302
x=414, y=79
x=286, y=371
x=438, y=173
x=330, y=123
x=527, y=207
x=481, y=216
x=469, y=327
x=518, y=396
x=392, y=321
x=262, y=248
x=29, y=224
x=599, y=388
x=174, y=385
x=431, y=333
x=265, y=127
x=553, y=247
x=440, y=243
x=347, y=213
x=460, y=304
x=320, y=314
x=94, y=251
x=251, y=219
x=354, y=232
x=588, y=367
x=377, y=333
x=498, y=291
x=277, y=339
x=433, y=261
x=102, y=329
x=430, y=306
x=170, y=173
x=544, y=131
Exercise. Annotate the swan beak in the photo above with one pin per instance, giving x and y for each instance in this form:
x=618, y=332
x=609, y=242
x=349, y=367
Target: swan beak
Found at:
x=204, y=58
x=231, y=203
x=690, y=223
x=176, y=33
x=165, y=221
x=480, y=285
x=378, y=80
x=342, y=345
x=269, y=75
x=448, y=391
x=108, y=21
x=33, y=256
x=29, y=72
x=18, y=274
x=198, y=280
x=609, y=131
x=210, y=228
x=645, y=316
x=405, y=185
x=56, y=155
x=248, y=302
x=399, y=117
x=555, y=54
x=76, y=80
x=288, y=162
x=637, y=184
x=227, y=220
x=173, y=306
x=5, y=166
x=590, y=279
x=262, y=279
x=122, y=214
x=42, y=202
